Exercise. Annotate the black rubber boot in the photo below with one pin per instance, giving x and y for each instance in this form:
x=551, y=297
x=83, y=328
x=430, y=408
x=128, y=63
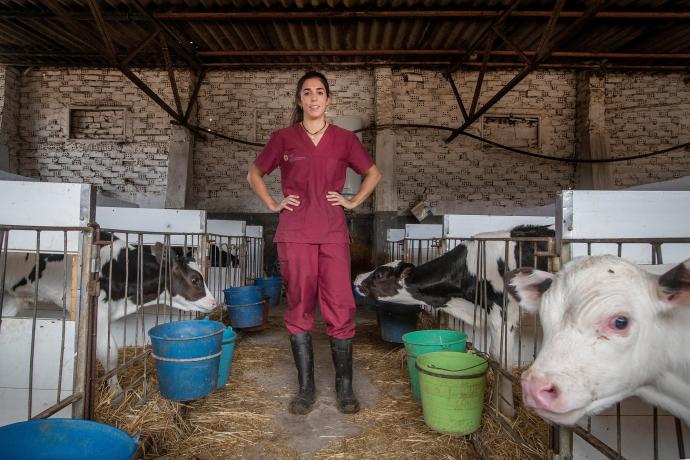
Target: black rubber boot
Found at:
x=303, y=354
x=342, y=360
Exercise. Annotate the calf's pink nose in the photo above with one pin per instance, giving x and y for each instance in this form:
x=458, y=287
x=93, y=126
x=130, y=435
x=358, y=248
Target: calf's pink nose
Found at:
x=540, y=393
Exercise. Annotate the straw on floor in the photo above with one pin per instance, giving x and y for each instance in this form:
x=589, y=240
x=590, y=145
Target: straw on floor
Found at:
x=238, y=420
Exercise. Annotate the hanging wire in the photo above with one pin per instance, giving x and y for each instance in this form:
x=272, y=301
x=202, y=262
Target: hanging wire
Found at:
x=375, y=127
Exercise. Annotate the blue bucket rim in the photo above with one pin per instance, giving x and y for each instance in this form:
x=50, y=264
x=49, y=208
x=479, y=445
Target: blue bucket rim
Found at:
x=251, y=286
x=76, y=421
x=196, y=337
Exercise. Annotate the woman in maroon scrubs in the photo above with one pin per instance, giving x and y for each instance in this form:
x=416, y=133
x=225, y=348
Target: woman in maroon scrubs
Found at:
x=312, y=236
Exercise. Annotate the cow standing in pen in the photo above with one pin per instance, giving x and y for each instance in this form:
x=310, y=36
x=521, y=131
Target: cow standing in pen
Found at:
x=611, y=330
x=120, y=292
x=451, y=282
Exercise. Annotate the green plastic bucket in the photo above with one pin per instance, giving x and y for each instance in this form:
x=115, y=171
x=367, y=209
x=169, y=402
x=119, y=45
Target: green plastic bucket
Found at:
x=419, y=342
x=452, y=387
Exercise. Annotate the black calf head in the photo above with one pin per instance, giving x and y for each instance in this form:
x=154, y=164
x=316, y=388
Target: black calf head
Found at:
x=384, y=281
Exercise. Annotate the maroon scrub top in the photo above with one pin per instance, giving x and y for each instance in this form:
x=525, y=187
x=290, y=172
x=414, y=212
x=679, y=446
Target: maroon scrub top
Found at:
x=310, y=171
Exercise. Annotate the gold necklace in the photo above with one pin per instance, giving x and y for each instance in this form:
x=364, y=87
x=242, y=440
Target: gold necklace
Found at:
x=312, y=136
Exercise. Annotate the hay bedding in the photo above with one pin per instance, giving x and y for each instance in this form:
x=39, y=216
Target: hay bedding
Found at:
x=237, y=421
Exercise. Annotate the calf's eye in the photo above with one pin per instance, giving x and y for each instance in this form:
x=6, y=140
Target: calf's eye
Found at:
x=620, y=322
x=196, y=280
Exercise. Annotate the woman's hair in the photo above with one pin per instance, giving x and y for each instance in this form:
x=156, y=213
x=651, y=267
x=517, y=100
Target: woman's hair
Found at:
x=297, y=112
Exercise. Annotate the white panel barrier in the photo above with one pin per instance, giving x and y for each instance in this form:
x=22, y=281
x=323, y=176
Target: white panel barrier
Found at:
x=597, y=215
x=15, y=349
x=466, y=226
x=38, y=342
x=226, y=227
x=179, y=222
x=45, y=204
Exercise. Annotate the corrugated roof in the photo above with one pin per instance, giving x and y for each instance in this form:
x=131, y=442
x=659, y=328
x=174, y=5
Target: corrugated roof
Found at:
x=238, y=33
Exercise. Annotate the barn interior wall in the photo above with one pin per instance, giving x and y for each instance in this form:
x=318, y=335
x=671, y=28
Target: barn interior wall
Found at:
x=132, y=165
x=466, y=176
x=249, y=105
x=644, y=113
x=9, y=115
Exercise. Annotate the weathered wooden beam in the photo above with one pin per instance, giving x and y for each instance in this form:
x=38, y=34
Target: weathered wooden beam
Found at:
x=199, y=16
x=541, y=56
x=482, y=72
x=188, y=54
x=498, y=20
x=147, y=41
x=192, y=99
x=103, y=29
x=458, y=97
x=171, y=74
x=150, y=93
x=79, y=33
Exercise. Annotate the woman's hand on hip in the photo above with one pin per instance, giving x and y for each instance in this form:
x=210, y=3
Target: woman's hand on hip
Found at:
x=289, y=202
x=336, y=199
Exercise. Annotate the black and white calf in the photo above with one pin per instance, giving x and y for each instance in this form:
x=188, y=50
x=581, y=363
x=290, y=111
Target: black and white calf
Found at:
x=119, y=290
x=451, y=282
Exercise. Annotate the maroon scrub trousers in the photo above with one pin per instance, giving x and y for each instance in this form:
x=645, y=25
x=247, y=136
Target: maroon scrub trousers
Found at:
x=313, y=240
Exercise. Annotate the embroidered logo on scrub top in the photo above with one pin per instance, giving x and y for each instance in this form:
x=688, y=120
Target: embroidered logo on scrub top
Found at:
x=293, y=157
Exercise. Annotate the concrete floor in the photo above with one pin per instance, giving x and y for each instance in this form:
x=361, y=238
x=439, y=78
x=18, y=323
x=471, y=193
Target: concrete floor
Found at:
x=308, y=433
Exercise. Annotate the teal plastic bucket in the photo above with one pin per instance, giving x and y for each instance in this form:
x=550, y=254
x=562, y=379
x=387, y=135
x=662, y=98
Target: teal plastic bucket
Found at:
x=228, y=349
x=247, y=315
x=65, y=439
x=271, y=287
x=242, y=295
x=187, y=355
x=419, y=342
x=452, y=386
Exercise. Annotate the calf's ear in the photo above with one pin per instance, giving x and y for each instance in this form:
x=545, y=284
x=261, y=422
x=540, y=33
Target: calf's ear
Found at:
x=526, y=285
x=158, y=251
x=673, y=286
x=403, y=270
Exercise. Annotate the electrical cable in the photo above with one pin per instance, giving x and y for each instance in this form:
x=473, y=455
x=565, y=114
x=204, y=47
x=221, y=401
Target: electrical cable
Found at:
x=374, y=127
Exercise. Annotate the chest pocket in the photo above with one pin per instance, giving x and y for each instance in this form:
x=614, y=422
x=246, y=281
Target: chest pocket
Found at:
x=295, y=168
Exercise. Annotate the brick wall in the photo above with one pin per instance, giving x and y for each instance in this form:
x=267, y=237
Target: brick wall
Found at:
x=249, y=106
x=642, y=113
x=133, y=168
x=95, y=123
x=466, y=176
x=9, y=114
x=645, y=113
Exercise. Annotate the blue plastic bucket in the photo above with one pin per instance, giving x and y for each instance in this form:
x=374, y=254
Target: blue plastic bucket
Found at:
x=65, y=439
x=187, y=355
x=418, y=343
x=229, y=337
x=242, y=295
x=394, y=325
x=247, y=315
x=271, y=287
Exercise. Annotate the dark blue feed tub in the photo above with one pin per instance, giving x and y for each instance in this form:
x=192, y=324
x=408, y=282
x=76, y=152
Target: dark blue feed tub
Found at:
x=65, y=439
x=271, y=287
x=248, y=315
x=187, y=355
x=395, y=320
x=242, y=295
